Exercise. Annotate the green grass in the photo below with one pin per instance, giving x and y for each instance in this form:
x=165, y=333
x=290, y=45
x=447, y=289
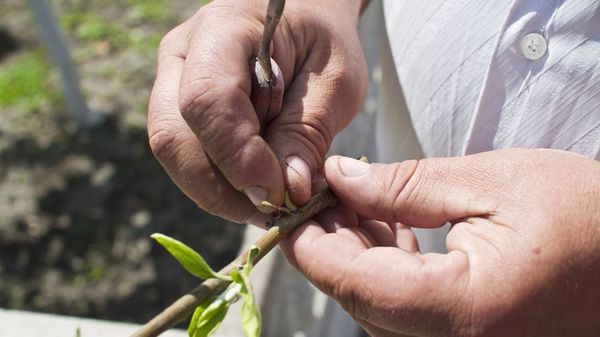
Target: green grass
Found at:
x=149, y=10
x=148, y=44
x=90, y=27
x=25, y=84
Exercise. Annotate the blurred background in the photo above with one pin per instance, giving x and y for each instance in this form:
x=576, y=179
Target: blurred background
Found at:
x=77, y=205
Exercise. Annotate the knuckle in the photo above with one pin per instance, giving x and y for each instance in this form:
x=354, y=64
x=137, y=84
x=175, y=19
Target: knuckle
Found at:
x=230, y=14
x=351, y=80
x=166, y=42
x=163, y=143
x=171, y=44
x=196, y=98
x=341, y=82
x=311, y=140
x=405, y=181
x=214, y=8
x=318, y=131
x=346, y=79
x=207, y=92
x=340, y=97
x=211, y=128
x=312, y=131
x=216, y=205
x=225, y=156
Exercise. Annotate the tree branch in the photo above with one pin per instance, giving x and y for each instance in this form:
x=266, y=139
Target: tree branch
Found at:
x=267, y=79
x=280, y=227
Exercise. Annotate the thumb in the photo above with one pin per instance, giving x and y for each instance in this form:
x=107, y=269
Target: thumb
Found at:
x=425, y=193
x=312, y=114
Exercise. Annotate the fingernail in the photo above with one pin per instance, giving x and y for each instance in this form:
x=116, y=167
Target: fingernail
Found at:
x=259, y=220
x=256, y=194
x=350, y=167
x=296, y=166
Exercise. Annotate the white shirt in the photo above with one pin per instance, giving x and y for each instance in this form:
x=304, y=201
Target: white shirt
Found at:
x=474, y=81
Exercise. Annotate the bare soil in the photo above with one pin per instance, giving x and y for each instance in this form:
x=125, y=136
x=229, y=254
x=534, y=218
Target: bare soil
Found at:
x=77, y=206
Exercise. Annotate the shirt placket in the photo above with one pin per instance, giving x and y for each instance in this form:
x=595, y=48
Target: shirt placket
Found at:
x=520, y=52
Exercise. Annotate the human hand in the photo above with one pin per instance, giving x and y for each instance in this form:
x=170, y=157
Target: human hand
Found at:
x=203, y=120
x=523, y=252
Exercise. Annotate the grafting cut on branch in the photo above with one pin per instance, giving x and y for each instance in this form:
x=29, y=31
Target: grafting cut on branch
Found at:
x=265, y=76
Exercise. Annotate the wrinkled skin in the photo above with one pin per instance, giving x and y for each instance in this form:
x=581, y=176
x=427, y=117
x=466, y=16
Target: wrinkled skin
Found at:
x=204, y=113
x=523, y=252
x=524, y=249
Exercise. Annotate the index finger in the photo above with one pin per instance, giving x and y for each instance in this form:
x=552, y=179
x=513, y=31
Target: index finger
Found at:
x=178, y=149
x=214, y=99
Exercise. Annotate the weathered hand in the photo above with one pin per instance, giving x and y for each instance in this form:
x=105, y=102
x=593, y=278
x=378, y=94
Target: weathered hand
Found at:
x=524, y=249
x=203, y=121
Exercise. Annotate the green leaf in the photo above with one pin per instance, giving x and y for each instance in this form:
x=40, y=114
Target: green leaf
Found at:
x=237, y=277
x=207, y=321
x=207, y=318
x=187, y=257
x=251, y=319
x=194, y=321
x=252, y=254
x=232, y=293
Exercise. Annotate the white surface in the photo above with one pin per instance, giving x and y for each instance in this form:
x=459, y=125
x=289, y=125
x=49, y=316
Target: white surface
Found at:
x=15, y=323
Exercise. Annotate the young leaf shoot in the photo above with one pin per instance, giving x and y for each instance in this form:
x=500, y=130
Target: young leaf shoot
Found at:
x=188, y=258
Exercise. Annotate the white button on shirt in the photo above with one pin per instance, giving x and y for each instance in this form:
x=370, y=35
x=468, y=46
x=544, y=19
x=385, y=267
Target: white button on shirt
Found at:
x=533, y=46
x=479, y=75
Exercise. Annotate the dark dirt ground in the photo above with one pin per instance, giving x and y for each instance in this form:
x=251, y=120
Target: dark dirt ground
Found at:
x=77, y=206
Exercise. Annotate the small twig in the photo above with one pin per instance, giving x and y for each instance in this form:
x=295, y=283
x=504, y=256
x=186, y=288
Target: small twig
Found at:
x=282, y=226
x=266, y=78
